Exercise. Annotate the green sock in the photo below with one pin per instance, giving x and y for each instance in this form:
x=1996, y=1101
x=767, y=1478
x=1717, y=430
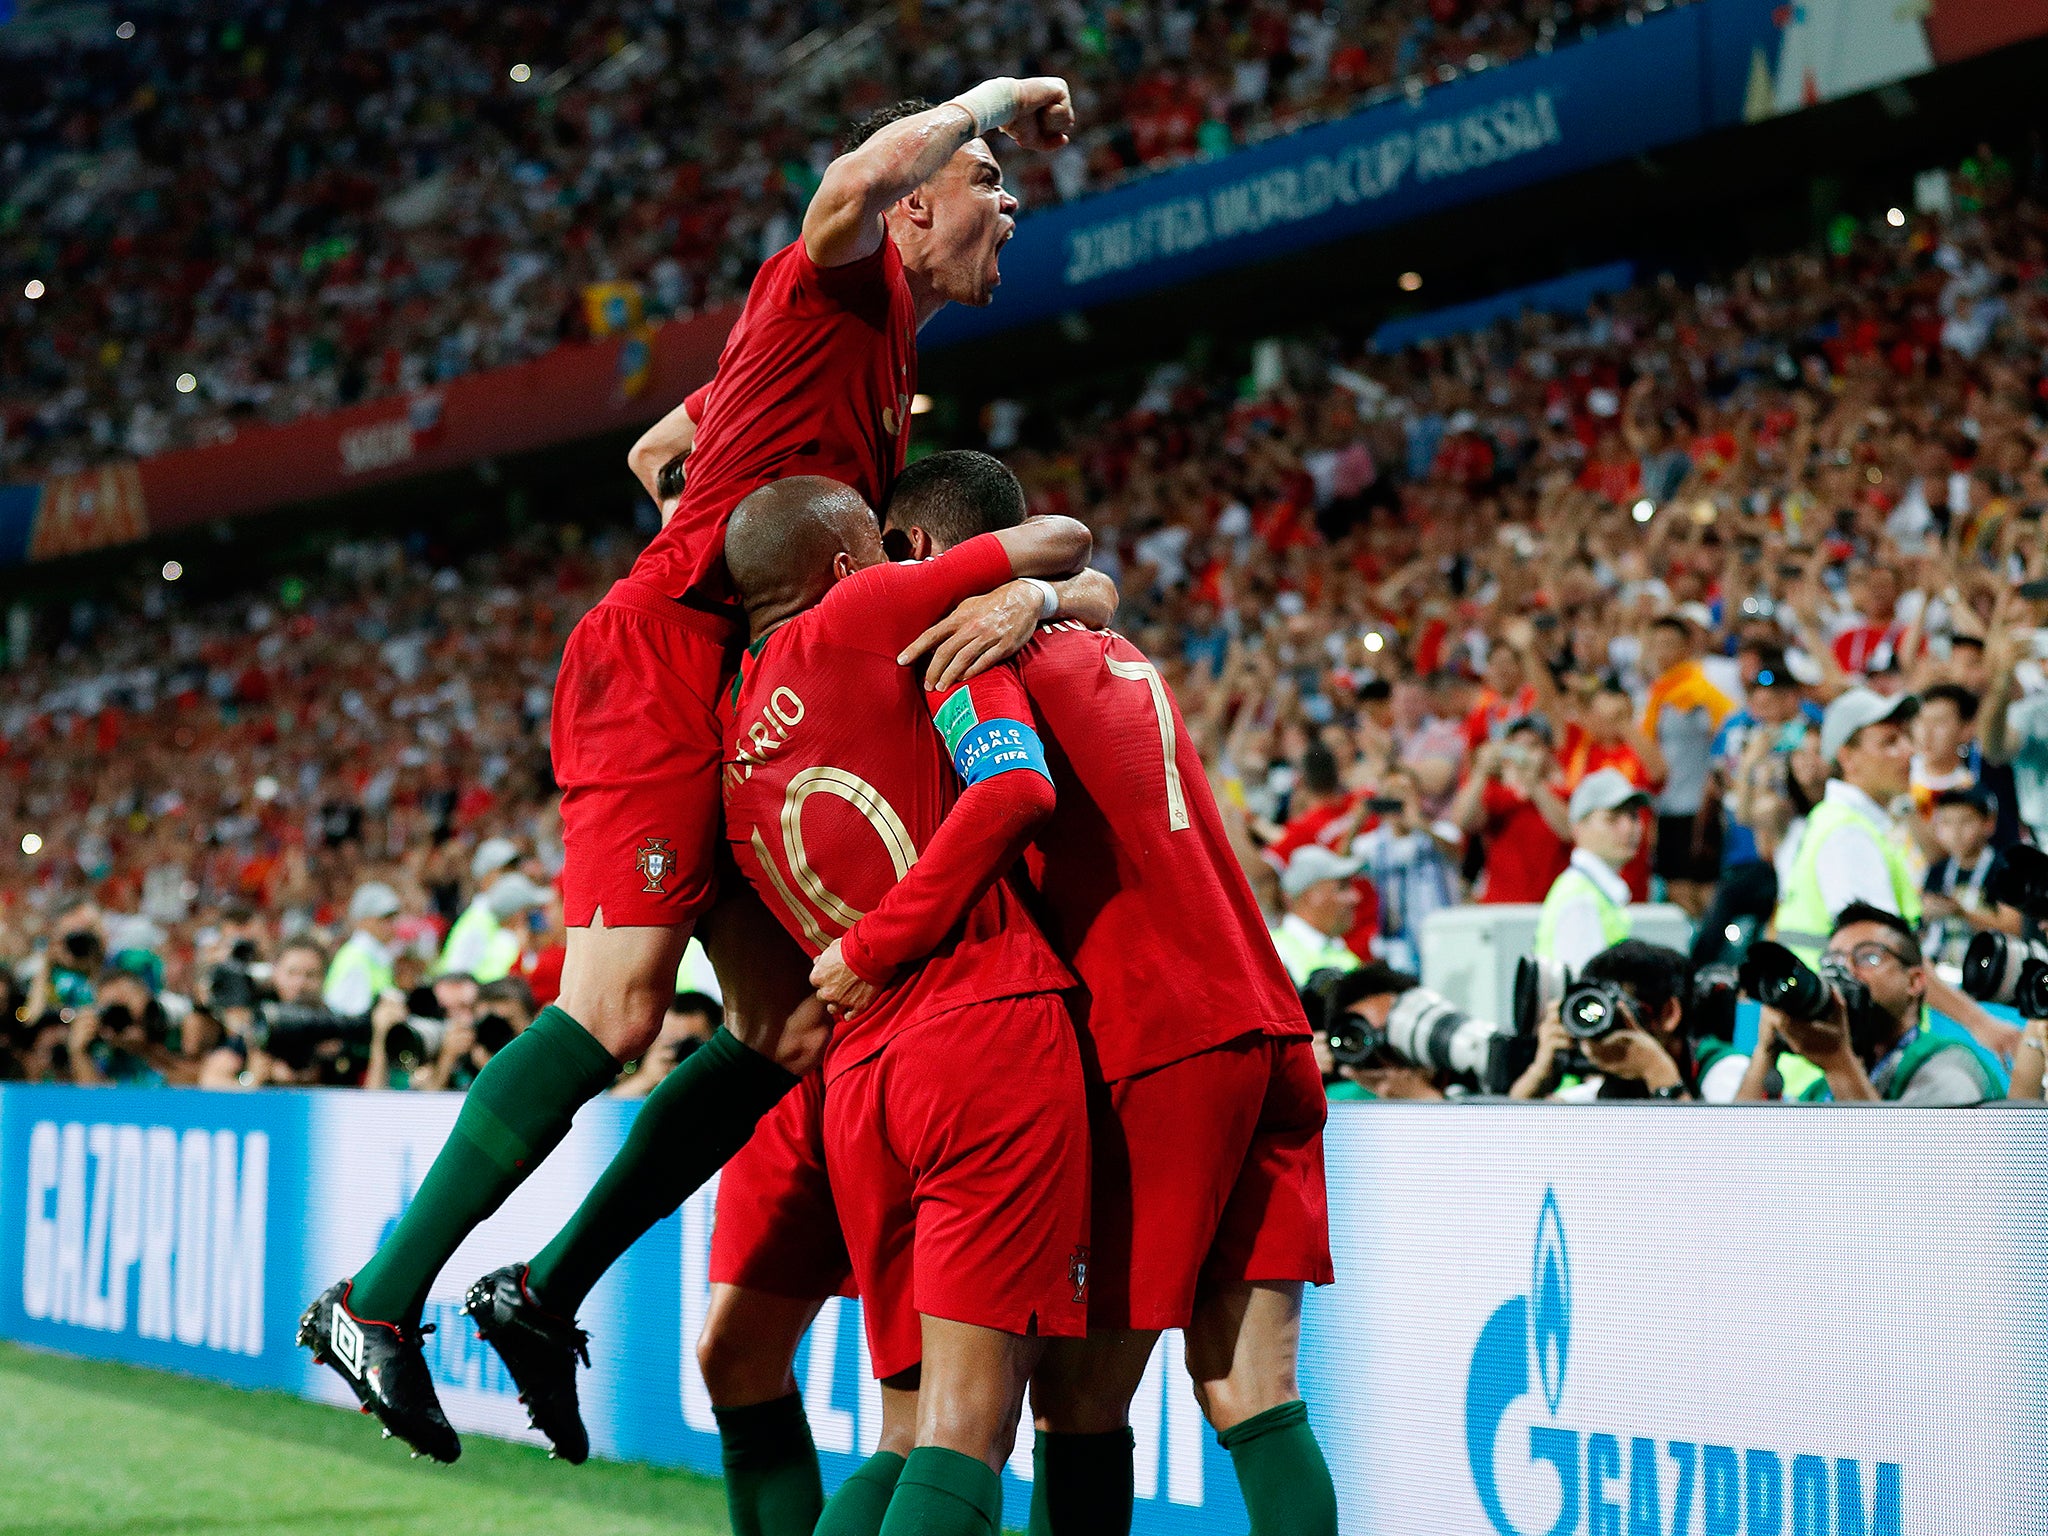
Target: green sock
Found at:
x=943, y=1493
x=1282, y=1474
x=1081, y=1484
x=863, y=1499
x=515, y=1112
x=687, y=1129
x=772, y=1486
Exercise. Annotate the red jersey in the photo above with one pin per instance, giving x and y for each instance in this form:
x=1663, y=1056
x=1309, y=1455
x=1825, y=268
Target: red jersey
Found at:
x=815, y=379
x=1524, y=856
x=836, y=782
x=1141, y=890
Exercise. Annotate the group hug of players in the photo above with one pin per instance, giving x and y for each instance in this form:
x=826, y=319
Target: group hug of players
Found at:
x=1009, y=1053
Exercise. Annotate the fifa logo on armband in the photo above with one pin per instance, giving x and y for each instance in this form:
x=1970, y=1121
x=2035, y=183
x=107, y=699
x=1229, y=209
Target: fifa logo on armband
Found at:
x=1077, y=1271
x=656, y=864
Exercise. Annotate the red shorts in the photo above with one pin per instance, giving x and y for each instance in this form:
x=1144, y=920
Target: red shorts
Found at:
x=1207, y=1170
x=637, y=750
x=959, y=1162
x=777, y=1229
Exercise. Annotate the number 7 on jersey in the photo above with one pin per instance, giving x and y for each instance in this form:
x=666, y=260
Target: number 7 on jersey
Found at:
x=1162, y=706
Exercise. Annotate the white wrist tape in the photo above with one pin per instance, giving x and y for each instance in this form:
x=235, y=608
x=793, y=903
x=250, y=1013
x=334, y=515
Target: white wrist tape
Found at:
x=1048, y=599
x=991, y=104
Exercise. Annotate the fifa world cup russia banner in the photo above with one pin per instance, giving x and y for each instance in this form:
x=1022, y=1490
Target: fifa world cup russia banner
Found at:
x=1548, y=1321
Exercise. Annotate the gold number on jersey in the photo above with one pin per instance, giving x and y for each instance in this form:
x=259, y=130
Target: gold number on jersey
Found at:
x=880, y=815
x=1162, y=706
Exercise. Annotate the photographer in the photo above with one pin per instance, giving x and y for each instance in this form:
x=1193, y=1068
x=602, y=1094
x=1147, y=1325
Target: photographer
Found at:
x=64, y=972
x=121, y=1036
x=1649, y=1053
x=1869, y=1040
x=1369, y=994
x=1851, y=855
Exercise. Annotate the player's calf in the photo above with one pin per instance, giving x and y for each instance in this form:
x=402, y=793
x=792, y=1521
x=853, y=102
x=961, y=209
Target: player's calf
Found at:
x=1242, y=1350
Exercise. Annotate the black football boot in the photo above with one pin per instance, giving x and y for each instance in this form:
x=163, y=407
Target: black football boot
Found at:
x=540, y=1349
x=385, y=1368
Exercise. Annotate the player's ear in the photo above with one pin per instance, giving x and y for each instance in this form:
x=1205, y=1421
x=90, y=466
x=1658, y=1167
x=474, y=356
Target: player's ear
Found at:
x=921, y=547
x=917, y=207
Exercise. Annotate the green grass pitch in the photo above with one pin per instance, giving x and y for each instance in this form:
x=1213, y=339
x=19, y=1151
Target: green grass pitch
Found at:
x=94, y=1449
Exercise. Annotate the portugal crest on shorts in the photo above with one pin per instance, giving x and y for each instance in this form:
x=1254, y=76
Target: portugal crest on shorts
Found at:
x=656, y=863
x=1077, y=1271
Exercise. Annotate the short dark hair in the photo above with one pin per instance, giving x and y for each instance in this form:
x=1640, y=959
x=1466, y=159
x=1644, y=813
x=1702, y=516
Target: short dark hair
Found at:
x=1376, y=978
x=306, y=942
x=955, y=495
x=1956, y=640
x=1964, y=699
x=1318, y=769
x=1676, y=623
x=1651, y=974
x=698, y=1002
x=507, y=989
x=668, y=480
x=863, y=128
x=1975, y=796
x=1863, y=912
x=1375, y=690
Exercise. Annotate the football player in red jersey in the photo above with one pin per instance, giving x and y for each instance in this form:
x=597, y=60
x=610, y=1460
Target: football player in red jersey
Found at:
x=956, y=1136
x=817, y=377
x=1206, y=1107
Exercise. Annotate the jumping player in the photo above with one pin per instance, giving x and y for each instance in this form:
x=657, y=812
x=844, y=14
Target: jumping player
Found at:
x=817, y=377
x=955, y=1129
x=1206, y=1108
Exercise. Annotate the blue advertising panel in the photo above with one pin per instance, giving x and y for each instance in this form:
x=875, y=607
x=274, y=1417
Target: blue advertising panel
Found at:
x=1674, y=76
x=1549, y=1321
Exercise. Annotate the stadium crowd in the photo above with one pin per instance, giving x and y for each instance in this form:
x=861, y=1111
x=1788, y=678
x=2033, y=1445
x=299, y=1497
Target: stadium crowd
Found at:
x=302, y=207
x=1445, y=623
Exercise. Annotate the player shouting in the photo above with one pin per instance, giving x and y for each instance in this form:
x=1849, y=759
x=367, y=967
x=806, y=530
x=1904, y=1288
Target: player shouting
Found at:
x=956, y=1134
x=1206, y=1108
x=816, y=377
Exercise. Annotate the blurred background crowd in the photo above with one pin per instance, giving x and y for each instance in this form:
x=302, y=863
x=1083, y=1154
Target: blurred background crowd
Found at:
x=1429, y=614
x=1583, y=610
x=252, y=212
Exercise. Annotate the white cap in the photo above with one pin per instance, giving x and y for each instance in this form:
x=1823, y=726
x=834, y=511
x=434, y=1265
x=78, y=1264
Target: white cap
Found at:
x=1854, y=710
x=372, y=900
x=1605, y=789
x=513, y=894
x=492, y=855
x=1312, y=865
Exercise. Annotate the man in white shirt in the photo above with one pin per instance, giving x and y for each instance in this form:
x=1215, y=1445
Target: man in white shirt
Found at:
x=1321, y=907
x=1587, y=908
x=1852, y=850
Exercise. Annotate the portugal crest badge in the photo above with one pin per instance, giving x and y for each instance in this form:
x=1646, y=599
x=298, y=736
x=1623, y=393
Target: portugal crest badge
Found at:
x=656, y=863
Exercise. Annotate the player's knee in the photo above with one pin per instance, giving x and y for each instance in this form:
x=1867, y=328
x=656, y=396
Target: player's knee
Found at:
x=736, y=1369
x=1246, y=1392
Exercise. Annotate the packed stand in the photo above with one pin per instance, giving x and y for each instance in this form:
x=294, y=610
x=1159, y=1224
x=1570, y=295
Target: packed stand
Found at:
x=298, y=838
x=303, y=207
x=1656, y=601
x=1639, y=602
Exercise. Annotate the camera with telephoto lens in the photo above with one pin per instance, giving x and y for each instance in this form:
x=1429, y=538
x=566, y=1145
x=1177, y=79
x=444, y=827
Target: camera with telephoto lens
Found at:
x=1779, y=979
x=240, y=981
x=2019, y=878
x=303, y=1035
x=1998, y=969
x=1423, y=1028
